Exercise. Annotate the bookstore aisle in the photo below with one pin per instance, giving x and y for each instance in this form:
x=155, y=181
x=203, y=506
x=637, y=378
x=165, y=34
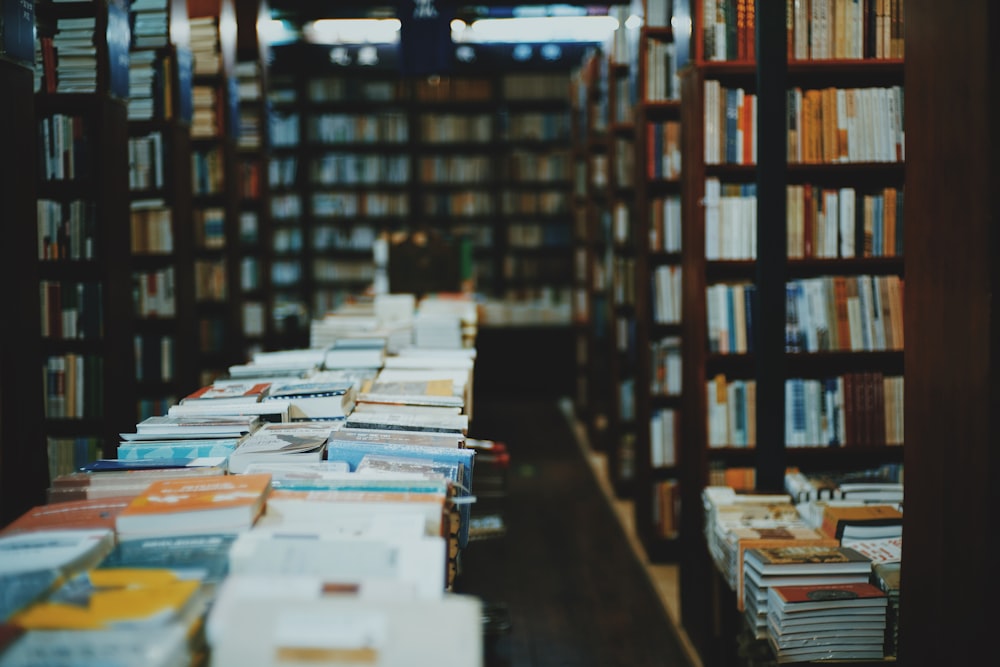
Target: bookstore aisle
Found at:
x=564, y=575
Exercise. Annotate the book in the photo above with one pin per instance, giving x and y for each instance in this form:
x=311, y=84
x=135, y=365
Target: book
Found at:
x=299, y=441
x=356, y=509
x=162, y=646
x=118, y=597
x=201, y=557
x=228, y=393
x=795, y=560
x=866, y=521
x=193, y=426
x=228, y=504
x=262, y=411
x=433, y=392
x=417, y=560
x=315, y=399
x=33, y=563
x=191, y=449
x=388, y=631
x=408, y=421
x=91, y=513
x=166, y=466
x=785, y=600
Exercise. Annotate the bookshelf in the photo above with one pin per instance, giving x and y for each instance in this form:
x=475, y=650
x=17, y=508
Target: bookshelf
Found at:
x=215, y=186
x=359, y=170
x=253, y=238
x=84, y=261
x=592, y=249
x=159, y=119
x=627, y=291
x=759, y=356
x=288, y=296
x=23, y=470
x=657, y=245
x=535, y=222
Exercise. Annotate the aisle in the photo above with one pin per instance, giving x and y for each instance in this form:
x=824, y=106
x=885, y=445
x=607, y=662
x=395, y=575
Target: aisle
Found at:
x=575, y=593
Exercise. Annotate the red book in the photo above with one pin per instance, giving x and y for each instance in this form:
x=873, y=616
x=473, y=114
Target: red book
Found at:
x=792, y=599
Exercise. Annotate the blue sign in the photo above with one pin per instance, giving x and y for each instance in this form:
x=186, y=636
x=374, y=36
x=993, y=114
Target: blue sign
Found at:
x=17, y=41
x=118, y=35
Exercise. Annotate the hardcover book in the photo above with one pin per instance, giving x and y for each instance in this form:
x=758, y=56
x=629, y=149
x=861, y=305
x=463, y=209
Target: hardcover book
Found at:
x=298, y=441
x=229, y=392
x=315, y=399
x=227, y=504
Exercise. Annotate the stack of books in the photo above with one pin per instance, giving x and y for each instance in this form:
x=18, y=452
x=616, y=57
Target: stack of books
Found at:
x=766, y=567
x=188, y=436
x=826, y=622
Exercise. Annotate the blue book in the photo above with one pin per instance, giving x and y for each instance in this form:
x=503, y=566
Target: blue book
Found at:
x=202, y=557
x=732, y=120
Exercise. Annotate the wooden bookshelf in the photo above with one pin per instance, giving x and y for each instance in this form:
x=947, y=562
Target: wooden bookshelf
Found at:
x=215, y=186
x=253, y=144
x=734, y=164
x=89, y=382
x=658, y=263
x=288, y=296
x=627, y=289
x=592, y=251
x=23, y=460
x=535, y=226
x=159, y=130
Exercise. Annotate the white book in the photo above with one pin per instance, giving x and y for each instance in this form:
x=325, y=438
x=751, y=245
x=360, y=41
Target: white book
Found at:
x=268, y=631
x=418, y=560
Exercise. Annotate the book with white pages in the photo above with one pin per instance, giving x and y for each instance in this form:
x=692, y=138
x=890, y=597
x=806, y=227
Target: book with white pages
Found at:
x=345, y=629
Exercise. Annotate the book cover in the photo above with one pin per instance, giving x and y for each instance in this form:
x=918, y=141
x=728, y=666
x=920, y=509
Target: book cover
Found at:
x=315, y=399
x=292, y=440
x=201, y=557
x=837, y=518
x=195, y=425
x=806, y=559
x=97, y=513
x=34, y=563
x=116, y=597
x=820, y=597
x=229, y=392
x=393, y=631
x=226, y=504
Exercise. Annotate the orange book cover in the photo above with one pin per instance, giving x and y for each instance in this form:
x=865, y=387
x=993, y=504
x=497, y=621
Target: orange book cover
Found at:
x=835, y=517
x=227, y=503
x=88, y=514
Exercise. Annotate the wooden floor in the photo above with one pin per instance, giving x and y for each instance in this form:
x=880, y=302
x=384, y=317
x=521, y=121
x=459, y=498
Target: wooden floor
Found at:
x=566, y=576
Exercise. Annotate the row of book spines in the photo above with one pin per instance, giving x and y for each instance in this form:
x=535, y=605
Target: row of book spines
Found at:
x=838, y=313
x=152, y=229
x=210, y=281
x=864, y=409
x=666, y=508
x=852, y=410
x=154, y=293
x=66, y=230
x=666, y=362
x=824, y=126
x=817, y=29
x=667, y=294
x=154, y=357
x=67, y=455
x=822, y=222
x=63, y=147
x=145, y=162
x=663, y=150
x=665, y=224
x=71, y=309
x=664, y=437
x=661, y=71
x=207, y=171
x=73, y=386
